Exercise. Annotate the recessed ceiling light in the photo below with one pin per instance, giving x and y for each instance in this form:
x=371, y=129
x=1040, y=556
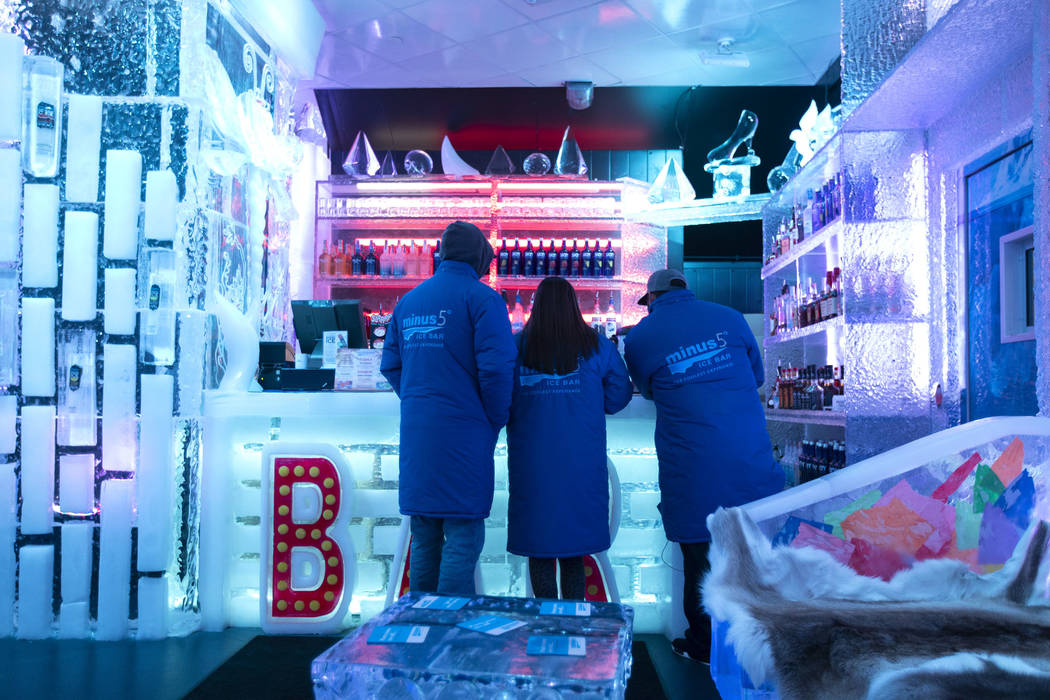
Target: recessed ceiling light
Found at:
x=725, y=55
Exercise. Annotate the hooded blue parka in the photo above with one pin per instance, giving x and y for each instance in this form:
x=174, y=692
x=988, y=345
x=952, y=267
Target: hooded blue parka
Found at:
x=559, y=477
x=449, y=354
x=700, y=364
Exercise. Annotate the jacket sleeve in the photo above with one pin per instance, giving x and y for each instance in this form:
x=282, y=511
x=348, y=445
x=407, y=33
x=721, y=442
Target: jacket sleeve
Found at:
x=636, y=366
x=616, y=385
x=753, y=353
x=495, y=352
x=390, y=364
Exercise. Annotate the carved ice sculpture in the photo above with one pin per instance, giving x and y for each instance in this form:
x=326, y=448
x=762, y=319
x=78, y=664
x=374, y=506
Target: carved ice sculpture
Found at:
x=451, y=163
x=732, y=173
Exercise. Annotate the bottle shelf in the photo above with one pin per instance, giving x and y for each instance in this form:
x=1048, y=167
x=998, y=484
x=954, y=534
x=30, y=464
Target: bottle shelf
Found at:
x=553, y=223
x=800, y=333
x=702, y=211
x=807, y=247
x=834, y=418
x=399, y=223
x=374, y=281
x=590, y=283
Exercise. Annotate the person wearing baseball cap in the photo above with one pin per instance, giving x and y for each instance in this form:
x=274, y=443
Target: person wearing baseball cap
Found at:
x=700, y=364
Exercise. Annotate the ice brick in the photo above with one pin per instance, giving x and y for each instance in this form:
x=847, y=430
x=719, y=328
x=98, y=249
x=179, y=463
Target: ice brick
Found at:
x=654, y=579
x=38, y=469
x=376, y=503
x=114, y=565
x=638, y=542
x=76, y=484
x=35, y=580
x=370, y=576
x=384, y=540
x=644, y=506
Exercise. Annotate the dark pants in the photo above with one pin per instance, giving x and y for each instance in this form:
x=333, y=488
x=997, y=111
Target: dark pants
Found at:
x=695, y=565
x=543, y=575
x=444, y=554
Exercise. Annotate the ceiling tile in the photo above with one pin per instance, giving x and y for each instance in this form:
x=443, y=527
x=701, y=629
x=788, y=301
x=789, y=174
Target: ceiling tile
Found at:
x=675, y=15
x=609, y=24
x=646, y=58
x=555, y=74
x=817, y=54
x=541, y=9
x=749, y=35
x=464, y=21
x=505, y=80
x=340, y=59
x=801, y=21
x=340, y=14
x=394, y=37
x=797, y=80
x=452, y=66
x=394, y=4
x=772, y=66
x=682, y=76
x=522, y=47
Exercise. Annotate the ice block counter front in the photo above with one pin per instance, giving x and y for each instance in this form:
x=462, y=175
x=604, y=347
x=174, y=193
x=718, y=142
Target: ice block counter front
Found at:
x=300, y=489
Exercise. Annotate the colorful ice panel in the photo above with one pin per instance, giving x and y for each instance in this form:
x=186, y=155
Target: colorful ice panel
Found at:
x=967, y=493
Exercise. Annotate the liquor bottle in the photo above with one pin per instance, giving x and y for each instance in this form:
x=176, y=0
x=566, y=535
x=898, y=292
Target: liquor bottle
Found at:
x=323, y=262
x=357, y=263
x=597, y=323
x=541, y=260
x=528, y=309
x=412, y=263
x=609, y=260
x=611, y=325
x=563, y=260
x=43, y=116
x=817, y=212
x=528, y=260
x=339, y=261
x=807, y=217
x=836, y=291
x=503, y=260
x=574, y=260
x=517, y=316
x=587, y=259
x=515, y=260
x=436, y=257
x=371, y=260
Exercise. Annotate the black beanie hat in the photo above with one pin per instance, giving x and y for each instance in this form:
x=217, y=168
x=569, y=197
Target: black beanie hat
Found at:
x=465, y=242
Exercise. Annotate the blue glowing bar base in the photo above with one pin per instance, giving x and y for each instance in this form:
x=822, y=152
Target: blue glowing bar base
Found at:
x=454, y=662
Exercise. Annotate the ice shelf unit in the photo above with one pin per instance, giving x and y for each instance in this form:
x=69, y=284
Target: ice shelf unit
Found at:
x=380, y=214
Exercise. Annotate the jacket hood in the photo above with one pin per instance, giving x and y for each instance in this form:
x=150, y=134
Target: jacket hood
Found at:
x=465, y=242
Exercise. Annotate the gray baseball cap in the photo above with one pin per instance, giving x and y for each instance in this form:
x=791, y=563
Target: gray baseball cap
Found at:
x=662, y=281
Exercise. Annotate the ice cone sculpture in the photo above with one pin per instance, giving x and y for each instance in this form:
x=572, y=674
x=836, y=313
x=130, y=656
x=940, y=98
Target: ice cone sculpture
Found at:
x=389, y=167
x=451, y=163
x=499, y=163
x=671, y=185
x=570, y=157
x=361, y=161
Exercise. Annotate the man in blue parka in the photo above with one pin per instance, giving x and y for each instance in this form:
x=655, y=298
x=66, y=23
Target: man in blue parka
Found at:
x=449, y=355
x=699, y=362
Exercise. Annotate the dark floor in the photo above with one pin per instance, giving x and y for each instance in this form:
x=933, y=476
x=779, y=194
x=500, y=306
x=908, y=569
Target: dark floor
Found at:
x=173, y=668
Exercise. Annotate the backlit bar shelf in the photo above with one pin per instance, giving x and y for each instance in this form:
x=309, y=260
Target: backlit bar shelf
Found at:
x=807, y=247
x=373, y=281
x=539, y=224
x=702, y=211
x=806, y=332
x=400, y=223
x=580, y=283
x=834, y=418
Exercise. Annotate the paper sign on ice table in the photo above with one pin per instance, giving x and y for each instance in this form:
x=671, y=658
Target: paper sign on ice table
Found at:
x=438, y=602
x=555, y=607
x=491, y=624
x=556, y=645
x=398, y=634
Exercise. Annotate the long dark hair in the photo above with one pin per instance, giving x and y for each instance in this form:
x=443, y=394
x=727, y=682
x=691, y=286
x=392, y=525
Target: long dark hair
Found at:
x=556, y=334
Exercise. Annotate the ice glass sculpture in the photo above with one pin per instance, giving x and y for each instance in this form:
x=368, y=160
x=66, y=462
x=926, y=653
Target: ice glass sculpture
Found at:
x=76, y=387
x=499, y=163
x=157, y=341
x=388, y=168
x=418, y=163
x=671, y=185
x=536, y=164
x=732, y=181
x=42, y=124
x=361, y=161
x=570, y=157
x=779, y=176
x=8, y=326
x=732, y=173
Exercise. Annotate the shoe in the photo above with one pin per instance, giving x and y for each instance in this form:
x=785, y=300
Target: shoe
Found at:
x=692, y=651
x=723, y=154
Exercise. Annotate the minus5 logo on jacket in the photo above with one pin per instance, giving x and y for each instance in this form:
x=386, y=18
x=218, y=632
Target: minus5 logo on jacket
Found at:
x=421, y=324
x=687, y=356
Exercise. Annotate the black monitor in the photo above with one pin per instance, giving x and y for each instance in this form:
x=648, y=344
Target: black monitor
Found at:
x=312, y=318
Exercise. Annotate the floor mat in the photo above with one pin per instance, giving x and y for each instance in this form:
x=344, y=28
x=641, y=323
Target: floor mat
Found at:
x=279, y=667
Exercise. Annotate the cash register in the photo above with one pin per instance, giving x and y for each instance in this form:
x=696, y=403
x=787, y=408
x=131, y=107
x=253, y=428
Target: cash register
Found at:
x=310, y=320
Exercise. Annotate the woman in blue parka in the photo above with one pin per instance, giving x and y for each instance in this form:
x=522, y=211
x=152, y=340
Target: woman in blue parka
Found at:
x=566, y=380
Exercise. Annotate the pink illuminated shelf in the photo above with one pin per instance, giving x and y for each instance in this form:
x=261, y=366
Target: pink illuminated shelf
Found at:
x=589, y=283
x=343, y=223
x=835, y=418
x=540, y=224
x=806, y=332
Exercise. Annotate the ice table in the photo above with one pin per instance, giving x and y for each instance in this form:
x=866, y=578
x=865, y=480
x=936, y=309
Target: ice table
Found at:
x=453, y=662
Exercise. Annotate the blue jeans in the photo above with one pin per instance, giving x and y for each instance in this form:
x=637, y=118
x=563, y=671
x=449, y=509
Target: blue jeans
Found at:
x=444, y=554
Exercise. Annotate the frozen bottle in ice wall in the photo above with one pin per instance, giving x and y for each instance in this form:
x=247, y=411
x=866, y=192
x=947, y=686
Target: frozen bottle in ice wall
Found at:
x=42, y=123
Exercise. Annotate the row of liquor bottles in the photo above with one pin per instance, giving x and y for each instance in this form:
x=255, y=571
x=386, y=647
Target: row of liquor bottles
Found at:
x=797, y=308
x=549, y=260
x=819, y=209
x=419, y=258
x=807, y=460
x=809, y=388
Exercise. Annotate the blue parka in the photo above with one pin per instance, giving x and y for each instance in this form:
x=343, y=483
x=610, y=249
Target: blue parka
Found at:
x=559, y=478
x=449, y=354
x=700, y=364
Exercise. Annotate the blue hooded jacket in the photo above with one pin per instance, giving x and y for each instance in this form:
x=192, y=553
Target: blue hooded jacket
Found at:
x=700, y=363
x=449, y=354
x=559, y=477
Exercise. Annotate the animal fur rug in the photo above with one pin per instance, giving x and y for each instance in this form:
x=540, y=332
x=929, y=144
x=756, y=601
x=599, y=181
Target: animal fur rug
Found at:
x=935, y=631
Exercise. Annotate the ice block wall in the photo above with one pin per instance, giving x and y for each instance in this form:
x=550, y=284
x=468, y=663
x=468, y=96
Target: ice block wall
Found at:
x=1041, y=147
x=155, y=202
x=876, y=34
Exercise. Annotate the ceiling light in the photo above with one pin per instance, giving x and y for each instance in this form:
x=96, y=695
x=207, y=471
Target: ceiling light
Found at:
x=725, y=56
x=579, y=93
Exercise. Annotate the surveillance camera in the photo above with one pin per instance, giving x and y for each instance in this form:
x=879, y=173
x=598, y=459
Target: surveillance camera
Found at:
x=579, y=93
